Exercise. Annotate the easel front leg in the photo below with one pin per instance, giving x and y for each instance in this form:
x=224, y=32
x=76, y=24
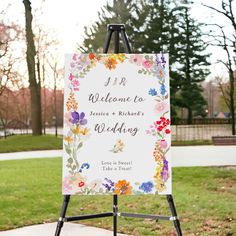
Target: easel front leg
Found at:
x=115, y=211
x=62, y=215
x=174, y=214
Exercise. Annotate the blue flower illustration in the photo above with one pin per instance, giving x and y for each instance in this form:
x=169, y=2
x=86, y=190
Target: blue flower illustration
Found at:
x=163, y=89
x=147, y=187
x=84, y=166
x=152, y=92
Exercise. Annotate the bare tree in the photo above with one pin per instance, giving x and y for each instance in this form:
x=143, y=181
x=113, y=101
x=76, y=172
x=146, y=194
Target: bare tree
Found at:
x=57, y=72
x=35, y=85
x=229, y=46
x=8, y=35
x=45, y=43
x=7, y=109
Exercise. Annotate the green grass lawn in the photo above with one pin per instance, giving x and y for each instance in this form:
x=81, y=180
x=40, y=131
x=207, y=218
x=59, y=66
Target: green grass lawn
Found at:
x=17, y=143
x=192, y=143
x=30, y=193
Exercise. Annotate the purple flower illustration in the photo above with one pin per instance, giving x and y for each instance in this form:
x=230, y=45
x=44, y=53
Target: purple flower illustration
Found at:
x=78, y=118
x=164, y=172
x=109, y=184
x=163, y=60
x=158, y=61
x=147, y=187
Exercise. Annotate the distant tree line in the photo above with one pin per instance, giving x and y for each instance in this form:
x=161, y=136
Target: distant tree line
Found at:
x=15, y=112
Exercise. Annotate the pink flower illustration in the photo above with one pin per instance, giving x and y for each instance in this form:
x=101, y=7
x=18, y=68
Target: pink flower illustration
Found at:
x=161, y=107
x=67, y=119
x=70, y=77
x=136, y=59
x=75, y=83
x=147, y=64
x=67, y=184
x=163, y=144
x=74, y=57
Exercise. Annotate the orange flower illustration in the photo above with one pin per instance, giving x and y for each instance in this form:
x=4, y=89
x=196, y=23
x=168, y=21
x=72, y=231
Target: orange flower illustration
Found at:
x=161, y=73
x=71, y=103
x=122, y=187
x=110, y=63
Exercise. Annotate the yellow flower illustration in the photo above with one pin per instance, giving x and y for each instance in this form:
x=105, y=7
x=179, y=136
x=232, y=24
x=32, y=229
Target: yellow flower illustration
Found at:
x=121, y=57
x=84, y=131
x=159, y=184
x=158, y=171
x=68, y=139
x=119, y=146
x=76, y=130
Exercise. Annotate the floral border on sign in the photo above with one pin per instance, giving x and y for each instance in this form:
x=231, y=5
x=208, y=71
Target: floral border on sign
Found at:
x=160, y=129
x=75, y=119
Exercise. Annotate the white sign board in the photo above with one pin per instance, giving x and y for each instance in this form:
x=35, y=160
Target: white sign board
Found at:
x=116, y=124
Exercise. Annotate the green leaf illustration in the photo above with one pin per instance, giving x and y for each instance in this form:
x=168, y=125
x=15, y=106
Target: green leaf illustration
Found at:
x=68, y=150
x=80, y=145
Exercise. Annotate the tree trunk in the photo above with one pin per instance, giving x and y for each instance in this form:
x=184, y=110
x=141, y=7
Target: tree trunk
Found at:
x=187, y=64
x=34, y=86
x=55, y=100
x=190, y=116
x=232, y=110
x=44, y=102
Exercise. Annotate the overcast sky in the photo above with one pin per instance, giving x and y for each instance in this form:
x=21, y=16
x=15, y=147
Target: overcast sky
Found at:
x=68, y=18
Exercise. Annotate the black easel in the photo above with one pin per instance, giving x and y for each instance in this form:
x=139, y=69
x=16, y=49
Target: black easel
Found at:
x=117, y=29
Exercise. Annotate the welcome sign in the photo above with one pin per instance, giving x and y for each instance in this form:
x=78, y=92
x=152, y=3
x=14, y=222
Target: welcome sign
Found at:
x=116, y=124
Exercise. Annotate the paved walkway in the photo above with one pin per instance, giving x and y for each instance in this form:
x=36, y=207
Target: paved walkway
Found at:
x=204, y=156
x=181, y=156
x=30, y=154
x=68, y=229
